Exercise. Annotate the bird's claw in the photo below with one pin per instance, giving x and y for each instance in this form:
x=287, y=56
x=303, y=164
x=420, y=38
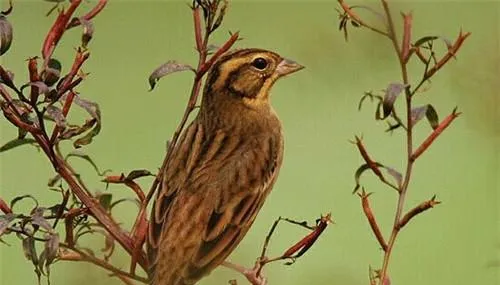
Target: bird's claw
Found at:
x=253, y=275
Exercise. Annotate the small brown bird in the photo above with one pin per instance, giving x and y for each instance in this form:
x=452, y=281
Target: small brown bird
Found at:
x=222, y=169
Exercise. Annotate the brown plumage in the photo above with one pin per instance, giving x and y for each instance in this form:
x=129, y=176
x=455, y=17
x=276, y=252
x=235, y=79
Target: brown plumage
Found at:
x=222, y=169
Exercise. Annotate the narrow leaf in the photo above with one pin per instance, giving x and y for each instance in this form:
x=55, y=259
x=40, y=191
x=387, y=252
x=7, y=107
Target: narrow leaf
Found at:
x=51, y=248
x=88, y=31
x=360, y=171
x=432, y=116
x=85, y=157
x=417, y=114
x=170, y=66
x=17, y=142
x=52, y=181
x=391, y=94
x=105, y=200
x=38, y=219
x=424, y=40
x=40, y=85
x=91, y=107
x=357, y=176
x=30, y=250
x=73, y=130
x=134, y=174
x=87, y=139
x=395, y=174
x=5, y=221
x=20, y=198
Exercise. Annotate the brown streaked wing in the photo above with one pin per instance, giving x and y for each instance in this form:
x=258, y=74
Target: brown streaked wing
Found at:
x=169, y=190
x=227, y=228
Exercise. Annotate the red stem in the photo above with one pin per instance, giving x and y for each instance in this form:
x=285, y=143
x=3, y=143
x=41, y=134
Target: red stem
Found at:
x=57, y=30
x=430, y=139
x=91, y=14
x=405, y=46
x=365, y=203
x=33, y=72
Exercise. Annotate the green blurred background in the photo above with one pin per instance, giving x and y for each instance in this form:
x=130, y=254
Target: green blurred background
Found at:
x=458, y=242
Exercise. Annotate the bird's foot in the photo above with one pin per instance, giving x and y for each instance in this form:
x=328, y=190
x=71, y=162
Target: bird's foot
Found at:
x=253, y=275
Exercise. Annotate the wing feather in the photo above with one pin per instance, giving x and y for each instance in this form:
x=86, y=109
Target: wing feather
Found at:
x=210, y=197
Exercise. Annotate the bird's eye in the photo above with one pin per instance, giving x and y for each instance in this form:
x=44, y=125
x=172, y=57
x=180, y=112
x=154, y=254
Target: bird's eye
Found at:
x=259, y=63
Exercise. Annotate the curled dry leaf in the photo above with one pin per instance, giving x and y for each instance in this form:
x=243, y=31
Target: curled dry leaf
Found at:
x=395, y=174
x=74, y=130
x=391, y=94
x=94, y=111
x=88, y=31
x=168, y=67
x=29, y=250
x=38, y=219
x=40, y=86
x=51, y=248
x=417, y=114
x=5, y=221
x=428, y=111
x=5, y=35
x=57, y=115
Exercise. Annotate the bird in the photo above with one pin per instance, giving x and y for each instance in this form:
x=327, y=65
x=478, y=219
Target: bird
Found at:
x=221, y=170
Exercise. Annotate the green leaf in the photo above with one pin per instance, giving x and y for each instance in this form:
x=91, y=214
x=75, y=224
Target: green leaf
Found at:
x=105, y=200
x=424, y=40
x=359, y=172
x=20, y=198
x=134, y=174
x=17, y=142
x=87, y=158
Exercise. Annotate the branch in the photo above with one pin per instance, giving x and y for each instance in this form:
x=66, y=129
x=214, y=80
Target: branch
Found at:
x=371, y=219
x=426, y=205
x=74, y=254
x=430, y=139
x=358, y=20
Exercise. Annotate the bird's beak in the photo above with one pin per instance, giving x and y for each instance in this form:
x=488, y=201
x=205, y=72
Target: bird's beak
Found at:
x=287, y=66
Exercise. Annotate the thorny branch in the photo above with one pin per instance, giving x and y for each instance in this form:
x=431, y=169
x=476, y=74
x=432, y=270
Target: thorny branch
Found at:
x=404, y=50
x=254, y=275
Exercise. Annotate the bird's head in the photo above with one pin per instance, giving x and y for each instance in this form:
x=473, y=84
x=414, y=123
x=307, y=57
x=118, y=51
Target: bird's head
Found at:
x=246, y=76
